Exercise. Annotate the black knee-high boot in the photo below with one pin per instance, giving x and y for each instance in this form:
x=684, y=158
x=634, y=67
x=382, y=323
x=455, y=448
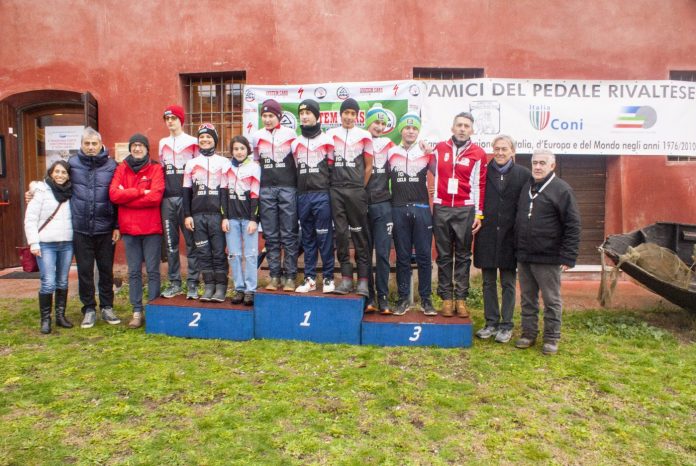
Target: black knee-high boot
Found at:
x=45, y=304
x=61, y=302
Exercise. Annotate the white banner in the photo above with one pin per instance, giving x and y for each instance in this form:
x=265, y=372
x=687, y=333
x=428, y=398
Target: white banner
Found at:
x=396, y=97
x=569, y=117
x=61, y=142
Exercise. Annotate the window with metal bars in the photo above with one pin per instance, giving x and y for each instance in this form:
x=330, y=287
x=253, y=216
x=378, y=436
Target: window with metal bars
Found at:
x=690, y=76
x=215, y=98
x=447, y=73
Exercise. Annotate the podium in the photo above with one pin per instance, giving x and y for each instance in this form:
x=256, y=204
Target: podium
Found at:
x=180, y=317
x=416, y=329
x=315, y=316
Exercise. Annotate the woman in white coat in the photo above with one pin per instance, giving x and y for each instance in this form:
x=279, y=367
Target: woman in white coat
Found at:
x=49, y=232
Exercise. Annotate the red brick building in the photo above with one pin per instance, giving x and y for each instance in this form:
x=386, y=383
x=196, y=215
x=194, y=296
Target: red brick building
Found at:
x=116, y=65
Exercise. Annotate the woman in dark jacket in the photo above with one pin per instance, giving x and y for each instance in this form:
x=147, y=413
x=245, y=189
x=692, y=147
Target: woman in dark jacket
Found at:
x=495, y=243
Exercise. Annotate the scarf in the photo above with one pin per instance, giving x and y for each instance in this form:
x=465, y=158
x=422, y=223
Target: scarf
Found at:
x=503, y=169
x=236, y=163
x=137, y=164
x=311, y=132
x=62, y=192
x=207, y=152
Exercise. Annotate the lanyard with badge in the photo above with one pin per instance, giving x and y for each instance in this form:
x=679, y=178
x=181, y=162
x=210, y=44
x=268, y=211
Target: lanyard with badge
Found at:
x=453, y=183
x=534, y=196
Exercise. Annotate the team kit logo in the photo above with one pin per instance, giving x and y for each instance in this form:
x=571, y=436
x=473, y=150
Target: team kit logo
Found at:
x=636, y=117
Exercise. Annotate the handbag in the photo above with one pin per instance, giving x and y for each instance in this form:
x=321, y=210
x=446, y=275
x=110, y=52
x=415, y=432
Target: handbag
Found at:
x=26, y=258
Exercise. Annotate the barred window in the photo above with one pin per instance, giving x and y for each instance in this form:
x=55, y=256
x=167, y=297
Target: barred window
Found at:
x=447, y=73
x=215, y=98
x=690, y=76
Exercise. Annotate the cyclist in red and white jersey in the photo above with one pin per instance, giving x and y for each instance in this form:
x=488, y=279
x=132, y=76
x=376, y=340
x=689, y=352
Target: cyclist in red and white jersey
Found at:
x=351, y=172
x=174, y=151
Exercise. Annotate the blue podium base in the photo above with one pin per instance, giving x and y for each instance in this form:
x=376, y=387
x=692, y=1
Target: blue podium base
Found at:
x=317, y=317
x=194, y=319
x=416, y=329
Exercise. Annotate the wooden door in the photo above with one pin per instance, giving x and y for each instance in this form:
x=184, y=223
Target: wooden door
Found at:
x=33, y=136
x=11, y=205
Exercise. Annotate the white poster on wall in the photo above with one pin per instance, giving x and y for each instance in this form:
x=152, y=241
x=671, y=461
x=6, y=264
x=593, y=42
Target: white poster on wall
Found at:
x=61, y=142
x=569, y=117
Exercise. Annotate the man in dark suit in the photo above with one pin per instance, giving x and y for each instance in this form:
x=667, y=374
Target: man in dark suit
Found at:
x=494, y=250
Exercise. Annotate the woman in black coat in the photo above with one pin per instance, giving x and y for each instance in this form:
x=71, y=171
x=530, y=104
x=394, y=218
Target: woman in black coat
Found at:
x=495, y=243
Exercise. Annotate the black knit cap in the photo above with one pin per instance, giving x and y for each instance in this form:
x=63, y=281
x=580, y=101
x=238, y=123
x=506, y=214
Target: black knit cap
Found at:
x=209, y=128
x=137, y=137
x=311, y=105
x=350, y=104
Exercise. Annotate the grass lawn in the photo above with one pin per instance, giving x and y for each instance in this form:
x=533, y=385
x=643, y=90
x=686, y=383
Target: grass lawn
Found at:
x=620, y=391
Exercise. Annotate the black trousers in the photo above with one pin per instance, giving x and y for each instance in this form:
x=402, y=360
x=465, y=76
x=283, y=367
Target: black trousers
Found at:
x=453, y=237
x=349, y=210
x=210, y=243
x=173, y=221
x=89, y=249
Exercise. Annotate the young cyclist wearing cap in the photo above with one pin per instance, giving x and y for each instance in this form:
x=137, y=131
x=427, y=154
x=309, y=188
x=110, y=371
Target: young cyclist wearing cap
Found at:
x=351, y=172
x=379, y=211
x=240, y=220
x=409, y=165
x=278, y=196
x=205, y=190
x=174, y=151
x=313, y=152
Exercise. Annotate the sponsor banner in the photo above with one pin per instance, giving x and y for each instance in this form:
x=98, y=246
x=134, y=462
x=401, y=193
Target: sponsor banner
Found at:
x=568, y=117
x=396, y=97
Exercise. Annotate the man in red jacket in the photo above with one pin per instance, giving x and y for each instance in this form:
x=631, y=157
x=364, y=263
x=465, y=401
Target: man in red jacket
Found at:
x=137, y=188
x=460, y=182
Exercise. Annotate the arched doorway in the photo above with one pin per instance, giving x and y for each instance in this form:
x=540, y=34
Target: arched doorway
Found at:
x=25, y=120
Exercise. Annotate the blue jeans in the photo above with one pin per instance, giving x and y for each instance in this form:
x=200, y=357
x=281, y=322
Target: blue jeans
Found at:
x=314, y=211
x=139, y=249
x=54, y=265
x=240, y=242
x=413, y=229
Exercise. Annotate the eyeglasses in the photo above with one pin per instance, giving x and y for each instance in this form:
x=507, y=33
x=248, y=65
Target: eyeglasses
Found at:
x=137, y=145
x=171, y=118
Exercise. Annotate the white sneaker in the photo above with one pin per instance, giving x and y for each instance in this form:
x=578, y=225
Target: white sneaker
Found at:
x=308, y=285
x=328, y=286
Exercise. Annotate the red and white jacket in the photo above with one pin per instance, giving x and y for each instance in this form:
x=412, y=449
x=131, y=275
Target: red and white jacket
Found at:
x=273, y=151
x=138, y=213
x=468, y=165
x=174, y=152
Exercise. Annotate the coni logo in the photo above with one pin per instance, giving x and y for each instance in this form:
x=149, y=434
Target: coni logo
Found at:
x=539, y=116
